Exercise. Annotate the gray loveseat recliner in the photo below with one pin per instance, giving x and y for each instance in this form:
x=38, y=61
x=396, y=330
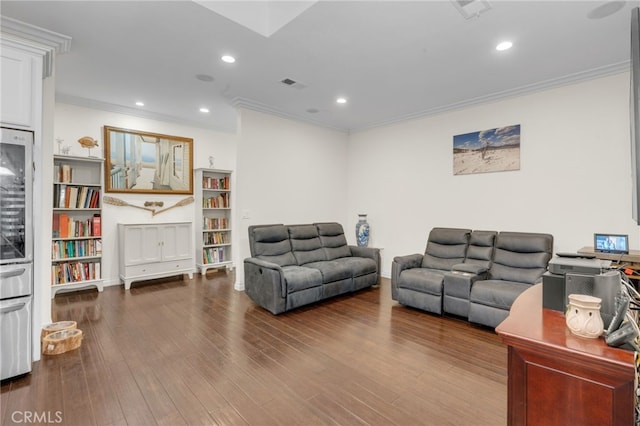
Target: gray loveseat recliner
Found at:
x=416, y=280
x=295, y=265
x=519, y=260
x=475, y=274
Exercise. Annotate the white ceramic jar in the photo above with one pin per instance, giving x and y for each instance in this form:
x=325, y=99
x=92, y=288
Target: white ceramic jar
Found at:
x=583, y=316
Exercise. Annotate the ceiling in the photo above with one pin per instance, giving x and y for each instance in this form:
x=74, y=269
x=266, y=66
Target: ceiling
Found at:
x=391, y=60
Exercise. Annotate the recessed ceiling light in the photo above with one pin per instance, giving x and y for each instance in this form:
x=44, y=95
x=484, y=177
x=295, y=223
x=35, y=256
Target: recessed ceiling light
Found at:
x=140, y=103
x=228, y=59
x=205, y=110
x=341, y=100
x=204, y=77
x=606, y=9
x=505, y=45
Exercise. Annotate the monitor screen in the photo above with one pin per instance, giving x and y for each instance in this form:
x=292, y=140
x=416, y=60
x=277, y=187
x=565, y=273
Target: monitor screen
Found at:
x=611, y=243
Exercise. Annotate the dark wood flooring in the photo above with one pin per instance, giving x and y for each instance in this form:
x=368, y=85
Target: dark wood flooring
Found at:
x=198, y=352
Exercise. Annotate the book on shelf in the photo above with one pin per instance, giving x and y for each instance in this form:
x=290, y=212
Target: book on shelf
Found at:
x=215, y=238
x=63, y=230
x=65, y=226
x=61, y=196
x=209, y=182
x=55, y=231
x=82, y=197
x=212, y=255
x=217, y=202
x=72, y=200
x=211, y=223
x=96, y=225
x=65, y=173
x=68, y=249
x=70, y=272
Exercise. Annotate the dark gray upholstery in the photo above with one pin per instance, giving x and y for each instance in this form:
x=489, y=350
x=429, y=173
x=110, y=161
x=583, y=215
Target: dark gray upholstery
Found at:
x=519, y=261
x=416, y=280
x=457, y=283
x=271, y=243
x=292, y=266
x=333, y=240
x=482, y=285
x=445, y=248
x=305, y=243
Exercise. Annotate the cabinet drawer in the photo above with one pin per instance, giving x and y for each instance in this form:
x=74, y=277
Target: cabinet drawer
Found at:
x=155, y=268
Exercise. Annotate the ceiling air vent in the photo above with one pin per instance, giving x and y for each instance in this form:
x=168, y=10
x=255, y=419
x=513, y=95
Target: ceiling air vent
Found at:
x=471, y=8
x=292, y=83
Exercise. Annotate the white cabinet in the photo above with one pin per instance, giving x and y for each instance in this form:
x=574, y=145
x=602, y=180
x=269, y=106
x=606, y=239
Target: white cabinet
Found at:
x=76, y=246
x=157, y=250
x=19, y=82
x=213, y=219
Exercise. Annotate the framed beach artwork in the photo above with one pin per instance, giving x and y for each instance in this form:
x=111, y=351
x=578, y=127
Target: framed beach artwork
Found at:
x=148, y=163
x=485, y=151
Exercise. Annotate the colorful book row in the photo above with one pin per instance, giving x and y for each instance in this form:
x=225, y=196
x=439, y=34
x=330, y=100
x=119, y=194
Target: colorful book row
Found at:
x=219, y=202
x=76, y=197
x=215, y=238
x=75, y=248
x=213, y=255
x=209, y=223
x=71, y=272
x=215, y=183
x=65, y=226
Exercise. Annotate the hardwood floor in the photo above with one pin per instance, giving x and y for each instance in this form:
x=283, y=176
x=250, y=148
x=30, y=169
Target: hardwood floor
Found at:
x=198, y=352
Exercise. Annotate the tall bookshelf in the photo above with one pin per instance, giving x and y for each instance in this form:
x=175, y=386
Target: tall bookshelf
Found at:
x=76, y=245
x=213, y=219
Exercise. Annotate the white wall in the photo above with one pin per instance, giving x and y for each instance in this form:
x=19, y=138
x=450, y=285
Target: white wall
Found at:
x=73, y=122
x=288, y=172
x=574, y=178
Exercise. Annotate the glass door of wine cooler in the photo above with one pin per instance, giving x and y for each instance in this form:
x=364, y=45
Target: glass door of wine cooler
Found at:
x=16, y=171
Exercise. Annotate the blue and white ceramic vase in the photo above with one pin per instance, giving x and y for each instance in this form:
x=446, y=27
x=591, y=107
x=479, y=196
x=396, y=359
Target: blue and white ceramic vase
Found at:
x=362, y=231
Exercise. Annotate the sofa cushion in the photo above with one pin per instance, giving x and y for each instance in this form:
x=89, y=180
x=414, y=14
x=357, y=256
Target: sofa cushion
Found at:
x=305, y=243
x=331, y=270
x=521, y=257
x=333, y=240
x=358, y=266
x=481, y=247
x=301, y=278
x=422, y=280
x=271, y=243
x=497, y=293
x=445, y=248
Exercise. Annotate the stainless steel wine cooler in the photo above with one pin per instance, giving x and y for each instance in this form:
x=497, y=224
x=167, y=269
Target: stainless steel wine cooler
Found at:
x=16, y=251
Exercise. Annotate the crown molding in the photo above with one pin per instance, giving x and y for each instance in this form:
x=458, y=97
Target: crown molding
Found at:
x=239, y=102
x=135, y=112
x=528, y=89
x=35, y=37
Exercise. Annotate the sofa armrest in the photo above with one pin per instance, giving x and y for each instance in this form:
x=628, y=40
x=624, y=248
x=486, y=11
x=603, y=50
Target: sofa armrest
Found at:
x=370, y=252
x=408, y=262
x=470, y=268
x=265, y=284
x=399, y=264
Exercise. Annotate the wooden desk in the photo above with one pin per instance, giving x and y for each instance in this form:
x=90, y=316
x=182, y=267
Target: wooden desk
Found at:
x=629, y=261
x=556, y=378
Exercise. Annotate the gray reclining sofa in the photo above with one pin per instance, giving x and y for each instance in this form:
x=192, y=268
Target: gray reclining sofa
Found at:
x=474, y=274
x=295, y=265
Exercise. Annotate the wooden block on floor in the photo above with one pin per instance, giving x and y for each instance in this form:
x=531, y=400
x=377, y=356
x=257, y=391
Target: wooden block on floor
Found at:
x=61, y=341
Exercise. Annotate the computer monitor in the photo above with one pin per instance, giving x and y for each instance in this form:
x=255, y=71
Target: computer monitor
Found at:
x=611, y=243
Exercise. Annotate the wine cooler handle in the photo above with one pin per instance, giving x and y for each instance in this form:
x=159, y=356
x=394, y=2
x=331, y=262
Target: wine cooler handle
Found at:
x=14, y=273
x=13, y=308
